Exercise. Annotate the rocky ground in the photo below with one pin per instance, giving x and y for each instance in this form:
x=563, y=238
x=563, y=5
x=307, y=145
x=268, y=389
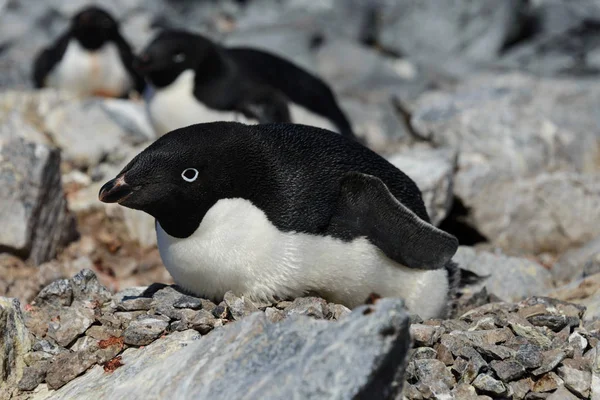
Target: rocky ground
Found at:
x=491, y=107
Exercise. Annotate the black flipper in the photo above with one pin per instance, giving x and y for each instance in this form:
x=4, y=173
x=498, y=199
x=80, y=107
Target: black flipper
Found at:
x=127, y=58
x=367, y=208
x=47, y=58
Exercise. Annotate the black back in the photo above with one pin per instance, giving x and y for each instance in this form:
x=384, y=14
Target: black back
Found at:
x=297, y=84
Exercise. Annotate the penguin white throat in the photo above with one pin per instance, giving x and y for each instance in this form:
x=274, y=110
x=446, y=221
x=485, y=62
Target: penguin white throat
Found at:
x=237, y=248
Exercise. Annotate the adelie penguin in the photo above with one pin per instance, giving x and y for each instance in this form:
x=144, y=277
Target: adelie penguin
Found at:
x=278, y=211
x=196, y=80
x=91, y=58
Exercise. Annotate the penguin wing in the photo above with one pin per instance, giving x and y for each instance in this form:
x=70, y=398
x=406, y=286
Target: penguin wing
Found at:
x=367, y=208
x=47, y=59
x=265, y=105
x=127, y=58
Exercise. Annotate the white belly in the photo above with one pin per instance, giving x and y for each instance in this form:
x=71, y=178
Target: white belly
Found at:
x=100, y=72
x=175, y=106
x=237, y=248
x=301, y=115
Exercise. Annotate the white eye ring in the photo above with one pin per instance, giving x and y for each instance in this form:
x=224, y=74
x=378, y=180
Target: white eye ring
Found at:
x=185, y=178
x=179, y=57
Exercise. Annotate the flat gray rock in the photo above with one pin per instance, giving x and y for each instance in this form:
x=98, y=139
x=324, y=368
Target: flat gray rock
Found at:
x=14, y=344
x=509, y=278
x=306, y=354
x=33, y=210
x=516, y=135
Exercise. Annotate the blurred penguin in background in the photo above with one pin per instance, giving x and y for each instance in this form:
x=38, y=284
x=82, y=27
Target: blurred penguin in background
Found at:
x=195, y=80
x=90, y=58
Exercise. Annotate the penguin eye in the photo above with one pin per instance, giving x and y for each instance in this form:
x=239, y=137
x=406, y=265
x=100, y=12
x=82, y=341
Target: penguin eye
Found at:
x=189, y=174
x=179, y=57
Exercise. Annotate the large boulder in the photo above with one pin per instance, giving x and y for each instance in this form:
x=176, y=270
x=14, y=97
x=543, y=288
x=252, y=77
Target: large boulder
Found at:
x=509, y=129
x=14, y=344
x=36, y=222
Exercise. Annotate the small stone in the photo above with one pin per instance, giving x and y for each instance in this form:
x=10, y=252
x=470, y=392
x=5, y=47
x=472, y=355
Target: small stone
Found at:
x=578, y=342
x=529, y=355
x=550, y=359
x=339, y=311
x=163, y=301
x=188, y=302
x=201, y=321
x=58, y=293
x=411, y=392
x=451, y=325
x=124, y=318
x=433, y=375
x=73, y=321
x=87, y=287
x=83, y=343
x=67, y=366
x=47, y=347
x=554, y=322
x=463, y=391
x=486, y=323
x=579, y=382
x=425, y=335
x=34, y=375
x=221, y=311
x=489, y=337
x=144, y=330
x=208, y=305
x=239, y=307
x=508, y=370
x=423, y=353
x=562, y=393
x=537, y=396
x=139, y=303
x=274, y=315
x=282, y=305
x=102, y=332
x=311, y=306
x=474, y=357
x=547, y=383
x=495, y=351
x=443, y=354
x=487, y=384
x=530, y=332
x=521, y=388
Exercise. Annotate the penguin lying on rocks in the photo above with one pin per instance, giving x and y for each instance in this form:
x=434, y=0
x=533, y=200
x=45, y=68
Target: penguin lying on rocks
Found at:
x=196, y=80
x=90, y=58
x=282, y=210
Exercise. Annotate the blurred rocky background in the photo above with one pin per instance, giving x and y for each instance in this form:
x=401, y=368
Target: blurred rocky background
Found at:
x=492, y=107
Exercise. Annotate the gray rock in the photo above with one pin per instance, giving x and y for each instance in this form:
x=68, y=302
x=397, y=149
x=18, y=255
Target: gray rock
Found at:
x=433, y=172
x=72, y=322
x=547, y=383
x=508, y=370
x=550, y=359
x=34, y=210
x=34, y=375
x=453, y=39
x=139, y=303
x=562, y=393
x=487, y=384
x=577, y=381
x=527, y=161
x=121, y=123
x=200, y=320
x=239, y=307
x=310, y=306
x=423, y=353
x=579, y=262
x=102, y=332
x=375, y=346
x=433, y=377
x=274, y=315
x=87, y=287
x=14, y=344
x=189, y=302
x=509, y=278
x=521, y=388
x=529, y=355
x=144, y=330
x=425, y=335
x=57, y=293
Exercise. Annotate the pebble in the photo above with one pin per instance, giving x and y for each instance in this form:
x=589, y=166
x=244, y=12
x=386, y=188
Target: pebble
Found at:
x=140, y=303
x=87, y=287
x=530, y=356
x=433, y=376
x=239, y=307
x=487, y=384
x=144, y=330
x=550, y=359
x=425, y=335
x=562, y=393
x=508, y=370
x=71, y=323
x=521, y=388
x=57, y=293
x=547, y=383
x=34, y=375
x=190, y=302
x=577, y=381
x=423, y=353
x=310, y=306
x=274, y=315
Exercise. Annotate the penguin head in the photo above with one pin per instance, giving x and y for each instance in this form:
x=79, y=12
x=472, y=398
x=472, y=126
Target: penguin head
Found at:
x=177, y=178
x=93, y=26
x=173, y=51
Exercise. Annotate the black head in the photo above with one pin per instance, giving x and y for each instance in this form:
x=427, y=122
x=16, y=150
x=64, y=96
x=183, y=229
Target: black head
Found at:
x=173, y=51
x=178, y=177
x=93, y=27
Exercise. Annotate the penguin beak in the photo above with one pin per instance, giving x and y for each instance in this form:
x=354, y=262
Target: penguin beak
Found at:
x=115, y=190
